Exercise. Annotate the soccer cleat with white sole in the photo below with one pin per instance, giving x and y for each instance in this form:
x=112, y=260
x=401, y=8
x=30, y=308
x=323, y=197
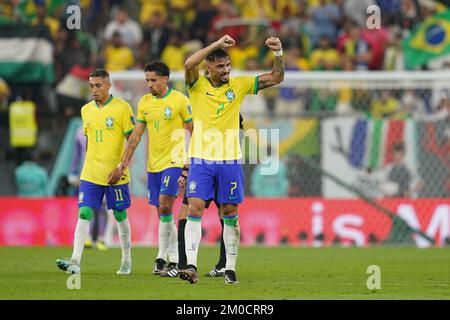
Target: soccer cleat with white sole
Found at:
x=190, y=274
x=68, y=265
x=160, y=266
x=214, y=272
x=125, y=268
x=171, y=271
x=230, y=277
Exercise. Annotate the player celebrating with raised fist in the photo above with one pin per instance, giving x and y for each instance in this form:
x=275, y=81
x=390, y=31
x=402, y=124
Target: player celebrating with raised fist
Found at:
x=214, y=147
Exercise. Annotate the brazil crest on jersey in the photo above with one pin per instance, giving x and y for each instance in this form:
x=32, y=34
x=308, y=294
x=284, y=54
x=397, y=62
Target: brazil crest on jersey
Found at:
x=106, y=129
x=165, y=118
x=215, y=112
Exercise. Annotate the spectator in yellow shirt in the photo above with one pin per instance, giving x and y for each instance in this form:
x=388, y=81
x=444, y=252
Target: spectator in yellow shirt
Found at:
x=387, y=106
x=174, y=54
x=149, y=7
x=243, y=51
x=324, y=57
x=43, y=19
x=117, y=56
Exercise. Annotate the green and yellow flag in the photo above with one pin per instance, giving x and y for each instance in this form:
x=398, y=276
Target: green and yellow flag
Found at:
x=429, y=40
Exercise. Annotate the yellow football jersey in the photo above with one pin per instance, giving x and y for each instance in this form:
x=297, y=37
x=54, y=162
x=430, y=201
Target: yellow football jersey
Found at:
x=165, y=118
x=106, y=129
x=215, y=112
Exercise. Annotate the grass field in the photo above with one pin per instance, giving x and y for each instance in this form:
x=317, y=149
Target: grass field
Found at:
x=264, y=273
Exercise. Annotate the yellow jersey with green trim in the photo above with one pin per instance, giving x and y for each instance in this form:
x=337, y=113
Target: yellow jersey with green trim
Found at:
x=215, y=112
x=106, y=129
x=165, y=118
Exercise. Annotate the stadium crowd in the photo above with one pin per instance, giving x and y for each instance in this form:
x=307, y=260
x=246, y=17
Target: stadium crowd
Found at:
x=317, y=35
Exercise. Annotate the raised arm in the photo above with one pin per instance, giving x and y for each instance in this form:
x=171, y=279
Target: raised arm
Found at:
x=277, y=75
x=132, y=143
x=191, y=65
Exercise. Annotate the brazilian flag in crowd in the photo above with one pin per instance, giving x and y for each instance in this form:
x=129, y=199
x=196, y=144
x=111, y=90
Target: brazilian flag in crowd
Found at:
x=429, y=40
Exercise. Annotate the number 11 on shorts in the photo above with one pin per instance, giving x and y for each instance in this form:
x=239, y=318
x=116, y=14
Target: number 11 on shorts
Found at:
x=118, y=193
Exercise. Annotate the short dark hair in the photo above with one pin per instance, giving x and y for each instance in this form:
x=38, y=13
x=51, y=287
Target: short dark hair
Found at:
x=158, y=67
x=220, y=53
x=102, y=73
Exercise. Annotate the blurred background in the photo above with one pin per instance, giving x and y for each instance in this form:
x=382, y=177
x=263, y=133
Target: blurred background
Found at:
x=363, y=114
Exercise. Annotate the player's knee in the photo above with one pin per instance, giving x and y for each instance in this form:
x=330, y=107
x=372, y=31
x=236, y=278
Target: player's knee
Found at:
x=165, y=209
x=120, y=215
x=196, y=208
x=182, y=214
x=228, y=210
x=86, y=213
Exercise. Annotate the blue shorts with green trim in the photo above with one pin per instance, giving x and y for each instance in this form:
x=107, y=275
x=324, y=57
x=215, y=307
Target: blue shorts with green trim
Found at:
x=91, y=195
x=226, y=178
x=163, y=182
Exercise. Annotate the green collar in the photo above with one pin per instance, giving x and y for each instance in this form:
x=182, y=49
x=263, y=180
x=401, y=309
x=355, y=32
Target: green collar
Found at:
x=167, y=93
x=109, y=100
x=164, y=96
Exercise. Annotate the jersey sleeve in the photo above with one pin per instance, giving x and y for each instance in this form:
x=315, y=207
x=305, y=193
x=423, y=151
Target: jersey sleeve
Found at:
x=249, y=84
x=83, y=119
x=185, y=109
x=140, y=111
x=128, y=120
x=193, y=87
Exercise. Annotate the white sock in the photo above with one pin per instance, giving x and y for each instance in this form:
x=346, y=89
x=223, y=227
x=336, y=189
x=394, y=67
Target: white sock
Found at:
x=81, y=234
x=164, y=231
x=231, y=237
x=173, y=244
x=109, y=228
x=192, y=237
x=125, y=239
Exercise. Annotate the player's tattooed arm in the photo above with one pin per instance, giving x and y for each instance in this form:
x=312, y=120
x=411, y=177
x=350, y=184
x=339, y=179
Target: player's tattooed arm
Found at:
x=132, y=143
x=277, y=74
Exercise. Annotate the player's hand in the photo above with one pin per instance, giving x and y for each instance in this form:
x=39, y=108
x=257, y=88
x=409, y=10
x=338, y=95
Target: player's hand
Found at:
x=273, y=43
x=115, y=175
x=226, y=41
x=182, y=182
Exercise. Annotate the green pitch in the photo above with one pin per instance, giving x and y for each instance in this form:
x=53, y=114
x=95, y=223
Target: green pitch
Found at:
x=264, y=273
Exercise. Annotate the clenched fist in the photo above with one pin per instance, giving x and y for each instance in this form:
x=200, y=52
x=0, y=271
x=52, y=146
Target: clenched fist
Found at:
x=226, y=41
x=273, y=43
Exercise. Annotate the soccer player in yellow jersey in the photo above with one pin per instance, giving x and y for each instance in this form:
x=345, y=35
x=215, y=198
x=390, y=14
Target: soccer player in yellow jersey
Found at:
x=166, y=113
x=107, y=123
x=214, y=146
